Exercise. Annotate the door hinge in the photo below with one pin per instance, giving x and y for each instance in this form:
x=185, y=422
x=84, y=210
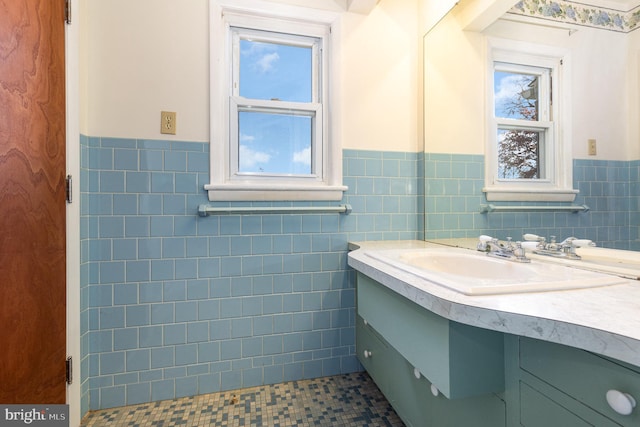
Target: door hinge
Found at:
x=69, y=188
x=67, y=11
x=69, y=363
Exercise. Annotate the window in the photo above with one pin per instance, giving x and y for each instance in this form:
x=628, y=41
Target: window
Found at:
x=275, y=104
x=271, y=95
x=522, y=110
x=528, y=158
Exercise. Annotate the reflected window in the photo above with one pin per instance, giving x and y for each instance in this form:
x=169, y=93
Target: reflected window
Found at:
x=527, y=157
x=522, y=112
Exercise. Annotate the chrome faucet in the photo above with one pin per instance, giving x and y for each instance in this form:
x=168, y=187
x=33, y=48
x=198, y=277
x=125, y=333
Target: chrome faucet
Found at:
x=564, y=249
x=508, y=250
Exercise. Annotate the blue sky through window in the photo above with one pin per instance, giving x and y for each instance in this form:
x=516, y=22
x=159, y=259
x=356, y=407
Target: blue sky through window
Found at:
x=515, y=95
x=275, y=142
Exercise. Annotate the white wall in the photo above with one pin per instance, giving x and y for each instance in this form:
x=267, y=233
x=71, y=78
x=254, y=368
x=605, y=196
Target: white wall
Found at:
x=380, y=78
x=633, y=115
x=143, y=57
x=455, y=88
x=74, y=329
x=601, y=94
x=431, y=12
x=151, y=55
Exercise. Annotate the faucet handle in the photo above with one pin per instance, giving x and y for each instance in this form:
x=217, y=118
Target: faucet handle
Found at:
x=532, y=237
x=509, y=244
x=520, y=252
x=482, y=242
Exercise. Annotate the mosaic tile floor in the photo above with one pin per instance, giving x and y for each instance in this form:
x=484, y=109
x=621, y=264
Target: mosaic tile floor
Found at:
x=344, y=401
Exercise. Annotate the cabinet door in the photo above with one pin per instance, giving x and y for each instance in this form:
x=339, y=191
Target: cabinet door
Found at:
x=537, y=410
x=540, y=386
x=418, y=407
x=373, y=354
x=584, y=376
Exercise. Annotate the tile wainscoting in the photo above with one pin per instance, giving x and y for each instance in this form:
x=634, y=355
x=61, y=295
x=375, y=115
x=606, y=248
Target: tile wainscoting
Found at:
x=453, y=195
x=176, y=305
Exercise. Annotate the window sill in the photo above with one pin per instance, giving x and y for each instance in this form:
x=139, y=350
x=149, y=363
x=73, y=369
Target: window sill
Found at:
x=256, y=193
x=529, y=194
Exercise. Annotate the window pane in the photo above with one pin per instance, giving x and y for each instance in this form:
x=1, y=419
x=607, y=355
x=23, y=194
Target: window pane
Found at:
x=516, y=95
x=275, y=71
x=519, y=154
x=274, y=143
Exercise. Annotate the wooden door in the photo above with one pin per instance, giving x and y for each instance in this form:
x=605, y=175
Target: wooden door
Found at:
x=32, y=202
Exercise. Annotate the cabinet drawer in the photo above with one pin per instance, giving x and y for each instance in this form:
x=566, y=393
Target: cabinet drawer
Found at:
x=537, y=410
x=418, y=407
x=372, y=353
x=412, y=398
x=460, y=360
x=584, y=376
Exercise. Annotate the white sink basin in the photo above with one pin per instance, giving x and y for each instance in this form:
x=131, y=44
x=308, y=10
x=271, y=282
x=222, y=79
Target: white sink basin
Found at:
x=474, y=273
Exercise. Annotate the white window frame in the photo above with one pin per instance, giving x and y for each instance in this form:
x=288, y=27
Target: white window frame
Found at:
x=226, y=183
x=544, y=125
x=556, y=182
x=313, y=109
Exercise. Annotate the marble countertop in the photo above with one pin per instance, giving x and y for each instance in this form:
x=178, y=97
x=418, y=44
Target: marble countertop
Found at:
x=604, y=320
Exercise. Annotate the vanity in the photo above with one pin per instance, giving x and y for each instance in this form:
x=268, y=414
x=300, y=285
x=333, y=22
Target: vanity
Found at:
x=565, y=355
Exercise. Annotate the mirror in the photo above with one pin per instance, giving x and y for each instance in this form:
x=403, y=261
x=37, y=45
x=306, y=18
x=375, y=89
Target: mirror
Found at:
x=602, y=85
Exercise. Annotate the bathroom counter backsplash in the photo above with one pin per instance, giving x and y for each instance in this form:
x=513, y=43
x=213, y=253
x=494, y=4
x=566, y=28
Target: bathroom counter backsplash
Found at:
x=604, y=320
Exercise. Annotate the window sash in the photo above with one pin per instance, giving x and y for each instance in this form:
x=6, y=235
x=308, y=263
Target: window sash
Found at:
x=314, y=43
x=545, y=160
x=544, y=125
x=544, y=85
x=315, y=111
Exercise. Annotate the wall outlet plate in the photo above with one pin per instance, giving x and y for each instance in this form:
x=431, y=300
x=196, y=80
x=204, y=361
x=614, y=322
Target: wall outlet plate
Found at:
x=168, y=122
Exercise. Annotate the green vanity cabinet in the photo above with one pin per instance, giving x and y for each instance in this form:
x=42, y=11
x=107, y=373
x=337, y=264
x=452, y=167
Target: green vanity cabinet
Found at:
x=407, y=349
x=460, y=360
x=551, y=385
x=439, y=373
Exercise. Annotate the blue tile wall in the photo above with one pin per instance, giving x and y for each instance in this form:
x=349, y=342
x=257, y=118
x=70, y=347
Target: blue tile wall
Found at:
x=453, y=195
x=175, y=305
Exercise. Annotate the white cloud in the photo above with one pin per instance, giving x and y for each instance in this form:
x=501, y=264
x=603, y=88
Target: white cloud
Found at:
x=267, y=62
x=508, y=88
x=303, y=156
x=264, y=56
x=258, y=48
x=515, y=96
x=250, y=158
x=247, y=138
